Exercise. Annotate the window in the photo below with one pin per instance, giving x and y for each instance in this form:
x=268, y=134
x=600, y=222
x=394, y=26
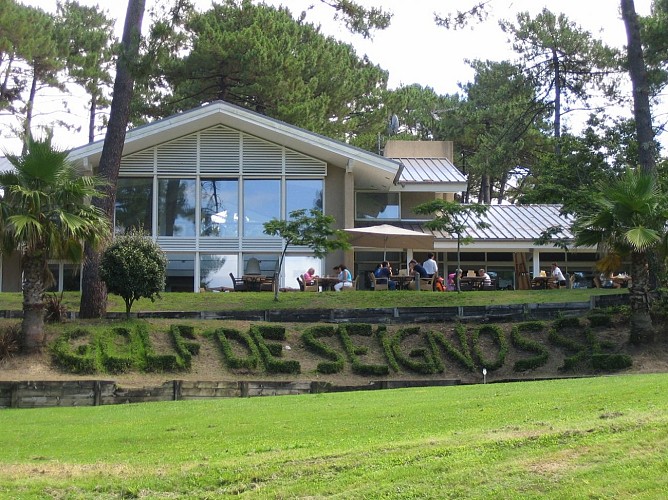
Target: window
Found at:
x=134, y=204
x=215, y=270
x=377, y=206
x=180, y=272
x=219, y=212
x=176, y=207
x=303, y=193
x=262, y=202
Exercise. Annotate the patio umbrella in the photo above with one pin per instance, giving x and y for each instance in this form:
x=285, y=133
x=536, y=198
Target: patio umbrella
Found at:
x=386, y=235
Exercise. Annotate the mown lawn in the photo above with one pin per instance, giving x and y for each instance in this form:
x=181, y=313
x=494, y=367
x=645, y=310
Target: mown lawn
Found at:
x=604, y=437
x=326, y=300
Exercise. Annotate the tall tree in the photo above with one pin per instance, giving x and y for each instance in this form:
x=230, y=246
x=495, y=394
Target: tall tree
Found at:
x=502, y=127
x=563, y=60
x=262, y=58
x=87, y=34
x=640, y=83
x=94, y=293
x=45, y=213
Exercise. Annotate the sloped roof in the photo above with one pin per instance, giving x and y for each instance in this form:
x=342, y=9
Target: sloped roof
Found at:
x=511, y=226
x=370, y=170
x=429, y=170
x=430, y=174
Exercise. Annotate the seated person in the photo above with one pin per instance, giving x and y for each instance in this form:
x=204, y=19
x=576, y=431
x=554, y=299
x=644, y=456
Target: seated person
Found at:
x=309, y=276
x=451, y=284
x=385, y=272
x=345, y=278
x=486, y=279
x=418, y=271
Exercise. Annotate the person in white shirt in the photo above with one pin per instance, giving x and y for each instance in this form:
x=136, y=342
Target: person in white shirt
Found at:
x=430, y=265
x=558, y=275
x=486, y=279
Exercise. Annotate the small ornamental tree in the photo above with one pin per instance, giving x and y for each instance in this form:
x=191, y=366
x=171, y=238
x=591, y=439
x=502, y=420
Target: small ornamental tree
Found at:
x=311, y=229
x=454, y=218
x=134, y=266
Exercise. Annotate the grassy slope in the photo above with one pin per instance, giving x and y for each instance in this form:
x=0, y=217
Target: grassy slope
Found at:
x=590, y=438
x=326, y=300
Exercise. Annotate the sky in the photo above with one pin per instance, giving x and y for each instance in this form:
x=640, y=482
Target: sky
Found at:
x=413, y=49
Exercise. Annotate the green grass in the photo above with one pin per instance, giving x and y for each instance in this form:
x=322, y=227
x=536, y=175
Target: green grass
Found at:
x=326, y=300
x=603, y=437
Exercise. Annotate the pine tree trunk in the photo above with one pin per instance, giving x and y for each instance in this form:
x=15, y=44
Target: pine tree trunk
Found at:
x=638, y=74
x=93, y=293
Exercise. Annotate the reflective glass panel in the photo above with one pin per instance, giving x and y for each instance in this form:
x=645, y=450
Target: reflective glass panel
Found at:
x=219, y=211
x=262, y=202
x=176, y=207
x=303, y=193
x=377, y=206
x=134, y=204
x=215, y=270
x=180, y=272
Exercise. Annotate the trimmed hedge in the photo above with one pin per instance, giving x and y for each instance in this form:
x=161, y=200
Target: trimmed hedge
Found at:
x=310, y=338
x=463, y=357
x=524, y=343
x=353, y=351
x=250, y=362
x=425, y=365
x=260, y=333
x=500, y=339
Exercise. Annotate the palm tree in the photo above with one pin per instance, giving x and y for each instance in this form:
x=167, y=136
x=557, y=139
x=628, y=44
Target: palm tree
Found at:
x=45, y=213
x=629, y=219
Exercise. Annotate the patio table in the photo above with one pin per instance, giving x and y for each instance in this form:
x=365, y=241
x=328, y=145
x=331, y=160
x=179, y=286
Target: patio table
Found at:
x=327, y=282
x=253, y=281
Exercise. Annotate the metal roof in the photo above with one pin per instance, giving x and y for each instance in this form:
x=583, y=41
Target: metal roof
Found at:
x=511, y=223
x=429, y=170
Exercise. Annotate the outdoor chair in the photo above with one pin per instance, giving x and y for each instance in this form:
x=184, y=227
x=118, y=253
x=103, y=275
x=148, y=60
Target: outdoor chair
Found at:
x=311, y=287
x=427, y=284
x=267, y=284
x=350, y=288
x=239, y=285
x=378, y=286
x=490, y=286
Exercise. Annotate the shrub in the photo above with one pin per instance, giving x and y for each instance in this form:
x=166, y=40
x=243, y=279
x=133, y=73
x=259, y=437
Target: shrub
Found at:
x=310, y=337
x=134, y=266
x=527, y=344
x=497, y=334
x=272, y=364
x=462, y=356
x=353, y=351
x=54, y=309
x=425, y=364
x=10, y=341
x=250, y=362
x=82, y=360
x=599, y=320
x=610, y=362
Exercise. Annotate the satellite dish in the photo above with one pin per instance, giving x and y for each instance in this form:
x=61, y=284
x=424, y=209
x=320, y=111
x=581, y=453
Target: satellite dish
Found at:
x=393, y=126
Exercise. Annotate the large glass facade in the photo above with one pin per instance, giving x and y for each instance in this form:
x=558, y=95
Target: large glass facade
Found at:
x=180, y=272
x=219, y=209
x=215, y=270
x=176, y=207
x=262, y=202
x=134, y=204
x=377, y=206
x=303, y=193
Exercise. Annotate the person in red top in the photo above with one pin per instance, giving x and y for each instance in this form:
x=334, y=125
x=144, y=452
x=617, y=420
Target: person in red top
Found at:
x=309, y=276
